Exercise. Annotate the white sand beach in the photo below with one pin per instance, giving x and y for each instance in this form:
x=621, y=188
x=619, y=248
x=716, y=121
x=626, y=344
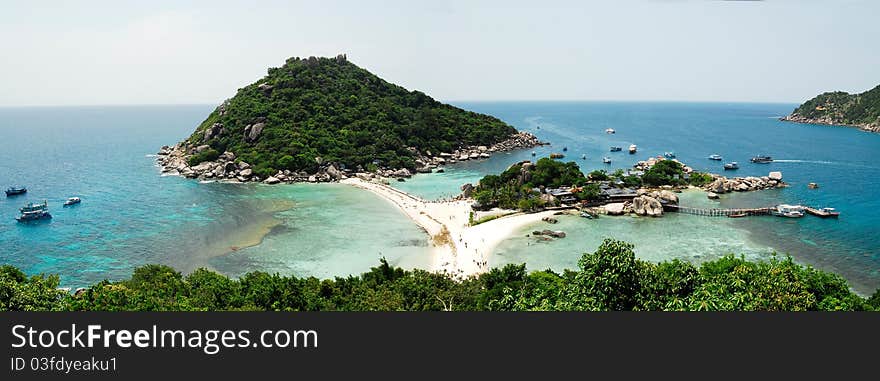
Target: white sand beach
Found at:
x=458, y=249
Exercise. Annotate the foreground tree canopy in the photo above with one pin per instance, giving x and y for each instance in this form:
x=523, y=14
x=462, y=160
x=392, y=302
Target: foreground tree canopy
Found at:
x=331, y=109
x=609, y=279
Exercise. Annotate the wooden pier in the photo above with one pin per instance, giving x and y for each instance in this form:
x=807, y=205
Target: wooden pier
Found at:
x=720, y=212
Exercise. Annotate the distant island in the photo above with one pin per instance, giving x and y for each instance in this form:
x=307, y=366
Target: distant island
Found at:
x=323, y=119
x=841, y=108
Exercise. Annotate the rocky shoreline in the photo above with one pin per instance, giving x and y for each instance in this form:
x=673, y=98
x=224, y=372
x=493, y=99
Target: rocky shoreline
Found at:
x=174, y=161
x=872, y=127
x=723, y=185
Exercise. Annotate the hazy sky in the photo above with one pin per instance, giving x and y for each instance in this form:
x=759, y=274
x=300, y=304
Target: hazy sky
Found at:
x=121, y=52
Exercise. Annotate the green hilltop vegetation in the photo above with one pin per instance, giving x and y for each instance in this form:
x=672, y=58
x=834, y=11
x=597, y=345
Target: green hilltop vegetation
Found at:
x=609, y=279
x=331, y=109
x=841, y=108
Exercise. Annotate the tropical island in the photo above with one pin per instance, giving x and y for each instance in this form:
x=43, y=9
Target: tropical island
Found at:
x=611, y=278
x=841, y=108
x=322, y=119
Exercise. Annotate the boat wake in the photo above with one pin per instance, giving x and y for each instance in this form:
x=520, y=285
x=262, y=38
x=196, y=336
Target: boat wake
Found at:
x=804, y=161
x=835, y=163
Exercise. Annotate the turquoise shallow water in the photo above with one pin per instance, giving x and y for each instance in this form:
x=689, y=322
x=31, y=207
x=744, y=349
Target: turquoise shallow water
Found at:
x=842, y=160
x=130, y=215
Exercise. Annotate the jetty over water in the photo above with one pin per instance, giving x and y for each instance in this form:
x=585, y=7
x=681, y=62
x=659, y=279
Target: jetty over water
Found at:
x=721, y=212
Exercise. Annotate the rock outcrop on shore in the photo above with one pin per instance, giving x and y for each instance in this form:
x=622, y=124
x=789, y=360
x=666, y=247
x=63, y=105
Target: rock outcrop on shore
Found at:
x=831, y=121
x=175, y=160
x=723, y=184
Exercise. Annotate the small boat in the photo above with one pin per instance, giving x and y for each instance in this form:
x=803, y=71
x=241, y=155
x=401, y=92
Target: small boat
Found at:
x=737, y=215
x=584, y=157
x=440, y=170
x=632, y=148
x=616, y=149
x=556, y=155
x=533, y=153
x=669, y=155
x=606, y=160
x=731, y=165
x=15, y=191
x=830, y=212
x=564, y=149
x=813, y=186
x=790, y=211
x=609, y=131
x=762, y=159
x=823, y=212
x=586, y=215
x=72, y=201
x=34, y=212
x=715, y=156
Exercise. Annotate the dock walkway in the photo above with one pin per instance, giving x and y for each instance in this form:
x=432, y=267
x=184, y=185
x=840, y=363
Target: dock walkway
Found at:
x=720, y=212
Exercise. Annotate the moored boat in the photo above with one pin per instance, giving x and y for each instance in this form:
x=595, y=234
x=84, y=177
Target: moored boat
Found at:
x=606, y=160
x=813, y=186
x=669, y=155
x=584, y=157
x=609, y=131
x=715, y=156
x=15, y=191
x=72, y=201
x=822, y=212
x=556, y=155
x=790, y=211
x=564, y=149
x=632, y=148
x=732, y=165
x=34, y=212
x=616, y=149
x=533, y=153
x=762, y=159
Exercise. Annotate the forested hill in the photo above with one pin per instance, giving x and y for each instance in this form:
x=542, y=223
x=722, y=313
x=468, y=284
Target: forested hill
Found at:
x=317, y=110
x=860, y=110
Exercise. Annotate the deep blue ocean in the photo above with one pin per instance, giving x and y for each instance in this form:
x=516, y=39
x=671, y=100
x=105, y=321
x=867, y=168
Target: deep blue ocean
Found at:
x=131, y=215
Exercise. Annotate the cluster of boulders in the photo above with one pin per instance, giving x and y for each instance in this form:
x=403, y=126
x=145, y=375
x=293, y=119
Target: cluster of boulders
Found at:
x=723, y=185
x=648, y=203
x=645, y=165
x=428, y=161
x=173, y=160
x=549, y=233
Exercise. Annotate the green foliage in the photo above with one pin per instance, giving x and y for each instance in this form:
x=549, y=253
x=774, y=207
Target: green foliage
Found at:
x=330, y=108
x=632, y=181
x=514, y=188
x=611, y=278
x=20, y=293
x=843, y=108
x=599, y=175
x=206, y=155
x=665, y=172
x=590, y=192
x=699, y=179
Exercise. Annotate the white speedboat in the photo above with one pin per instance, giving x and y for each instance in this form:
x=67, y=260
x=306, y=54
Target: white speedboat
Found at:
x=609, y=131
x=791, y=211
